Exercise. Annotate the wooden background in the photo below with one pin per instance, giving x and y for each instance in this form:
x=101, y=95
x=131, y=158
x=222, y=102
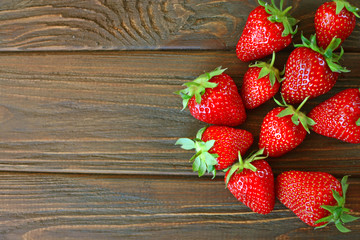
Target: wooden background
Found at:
x=88, y=122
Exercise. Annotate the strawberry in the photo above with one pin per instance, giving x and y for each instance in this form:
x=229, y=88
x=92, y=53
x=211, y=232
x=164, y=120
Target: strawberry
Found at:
x=311, y=71
x=251, y=181
x=214, y=98
x=261, y=82
x=268, y=29
x=283, y=129
x=216, y=147
x=339, y=116
x=317, y=198
x=334, y=19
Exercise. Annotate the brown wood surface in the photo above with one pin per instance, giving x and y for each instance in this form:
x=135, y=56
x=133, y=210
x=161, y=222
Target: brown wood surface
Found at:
x=116, y=113
x=136, y=24
x=42, y=207
x=87, y=137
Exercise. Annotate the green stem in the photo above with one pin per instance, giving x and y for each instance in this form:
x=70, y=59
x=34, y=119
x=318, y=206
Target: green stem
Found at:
x=272, y=60
x=358, y=122
x=302, y=104
x=195, y=156
x=244, y=164
x=338, y=213
x=287, y=10
x=197, y=87
x=273, y=2
x=277, y=14
x=250, y=166
x=241, y=163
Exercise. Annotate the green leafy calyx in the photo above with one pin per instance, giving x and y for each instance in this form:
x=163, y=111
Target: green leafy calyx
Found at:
x=244, y=164
x=268, y=69
x=281, y=16
x=297, y=117
x=332, y=59
x=341, y=4
x=338, y=213
x=198, y=86
x=203, y=161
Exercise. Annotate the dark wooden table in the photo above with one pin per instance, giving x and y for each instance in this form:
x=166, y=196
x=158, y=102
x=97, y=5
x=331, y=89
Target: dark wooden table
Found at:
x=88, y=122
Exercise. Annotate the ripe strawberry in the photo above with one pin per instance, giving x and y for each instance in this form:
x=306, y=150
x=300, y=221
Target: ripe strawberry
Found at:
x=334, y=19
x=213, y=98
x=268, y=29
x=216, y=147
x=311, y=71
x=261, y=82
x=281, y=130
x=252, y=182
x=317, y=198
x=339, y=116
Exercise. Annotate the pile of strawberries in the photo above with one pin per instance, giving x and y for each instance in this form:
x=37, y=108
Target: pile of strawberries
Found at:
x=312, y=69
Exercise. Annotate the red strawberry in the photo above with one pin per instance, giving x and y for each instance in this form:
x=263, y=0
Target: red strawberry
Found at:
x=310, y=71
x=213, y=98
x=317, y=198
x=261, y=82
x=339, y=116
x=216, y=147
x=268, y=29
x=281, y=130
x=252, y=182
x=334, y=19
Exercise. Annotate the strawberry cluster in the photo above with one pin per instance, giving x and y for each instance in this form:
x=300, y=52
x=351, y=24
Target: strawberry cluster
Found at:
x=312, y=69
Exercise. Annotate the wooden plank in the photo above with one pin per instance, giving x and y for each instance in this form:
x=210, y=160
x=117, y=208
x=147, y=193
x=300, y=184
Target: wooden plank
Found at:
x=42, y=206
x=122, y=24
x=116, y=113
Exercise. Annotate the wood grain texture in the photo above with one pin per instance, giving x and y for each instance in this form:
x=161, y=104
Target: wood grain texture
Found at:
x=87, y=134
x=116, y=113
x=48, y=207
x=137, y=24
